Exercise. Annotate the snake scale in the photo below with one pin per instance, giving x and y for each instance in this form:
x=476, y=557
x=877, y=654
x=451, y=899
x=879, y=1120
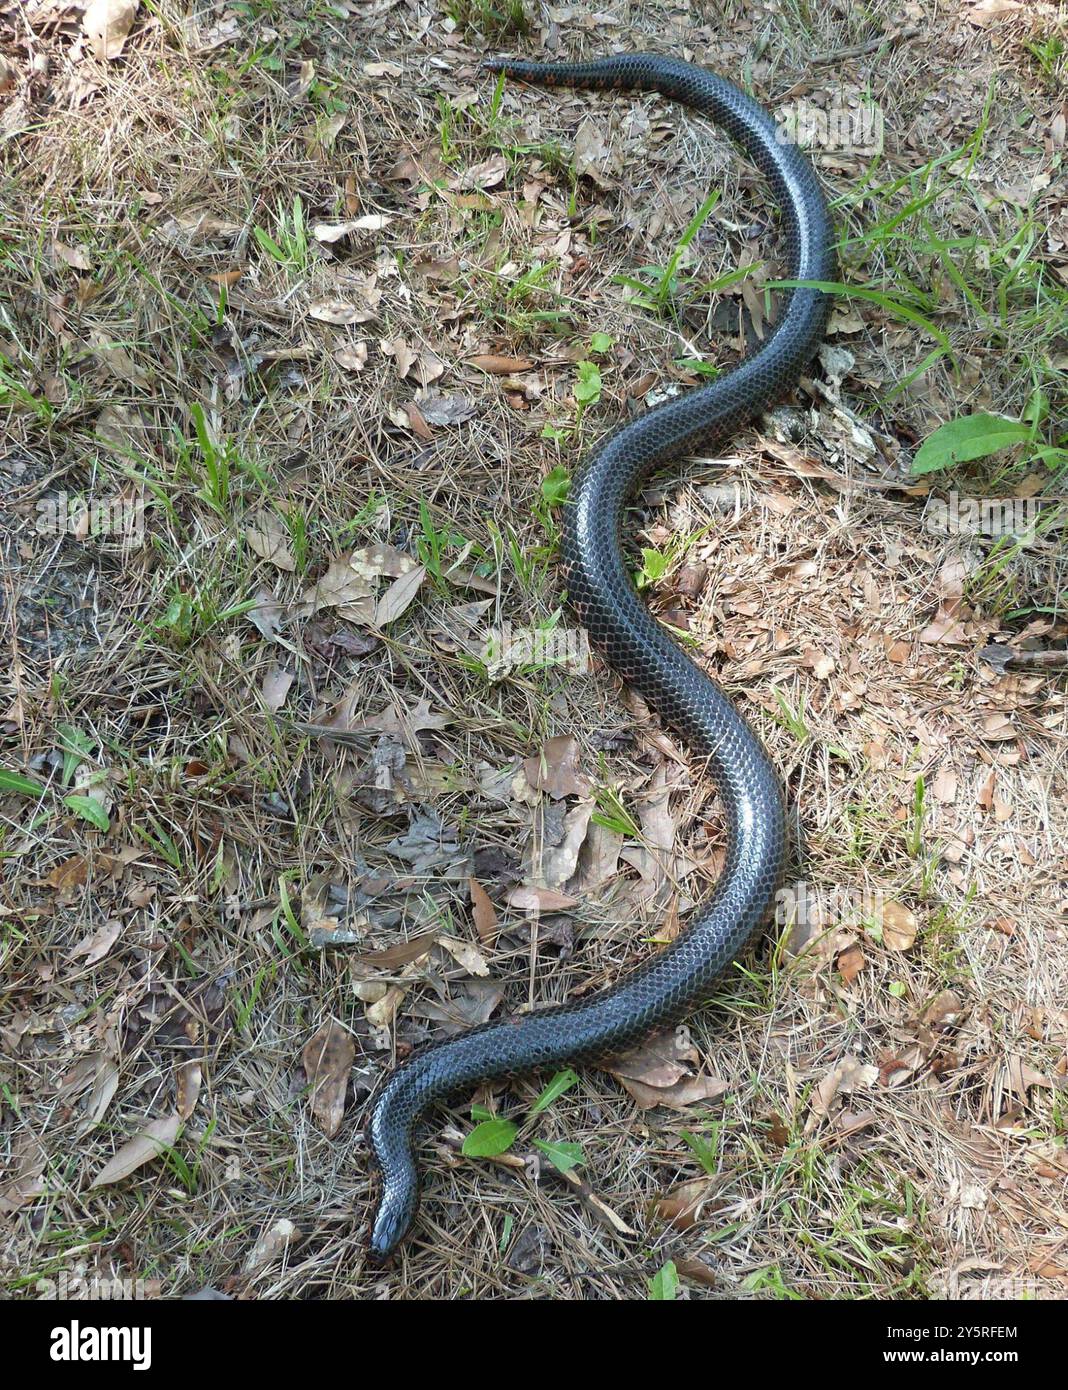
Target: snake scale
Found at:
x=675, y=980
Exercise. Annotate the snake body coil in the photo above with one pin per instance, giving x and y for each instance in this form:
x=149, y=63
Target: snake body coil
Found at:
x=676, y=979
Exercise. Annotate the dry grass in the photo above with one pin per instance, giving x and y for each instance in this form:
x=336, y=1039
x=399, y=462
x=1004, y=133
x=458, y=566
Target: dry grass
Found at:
x=892, y=1116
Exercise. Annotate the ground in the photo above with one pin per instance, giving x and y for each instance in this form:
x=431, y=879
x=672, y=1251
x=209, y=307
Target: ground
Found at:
x=304, y=325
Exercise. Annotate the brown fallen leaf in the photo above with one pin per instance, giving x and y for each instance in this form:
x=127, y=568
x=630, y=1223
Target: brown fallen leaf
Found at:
x=376, y=561
x=482, y=910
x=944, y=786
x=684, y=1206
x=557, y=864
x=555, y=770
x=661, y=1060
x=342, y=587
x=268, y=537
x=187, y=1088
x=593, y=156
x=850, y=963
x=1022, y=1077
x=527, y=899
x=692, y=1267
x=1005, y=925
x=899, y=926
x=24, y=1164
x=96, y=946
x=338, y=312
x=844, y=1078
x=997, y=728
x=421, y=363
x=68, y=876
x=659, y=1072
x=107, y=24
x=654, y=858
x=276, y=684
x=352, y=357
x=74, y=256
x=487, y=174
x=98, y=1075
x=399, y=596
x=328, y=1058
x=470, y=957
x=273, y=1244
x=500, y=366
x=598, y=861
x=382, y=1012
x=396, y=721
x=943, y=1011
x=156, y=1137
x=402, y=954
x=266, y=615
x=987, y=11
x=691, y=1090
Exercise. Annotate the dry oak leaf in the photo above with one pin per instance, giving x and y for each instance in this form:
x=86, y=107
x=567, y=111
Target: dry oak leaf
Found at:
x=342, y=587
x=463, y=953
x=401, y=722
x=482, y=910
x=657, y=1073
x=68, y=876
x=399, y=596
x=268, y=537
x=555, y=769
x=844, y=1078
x=187, y=1088
x=987, y=11
x=593, y=155
x=485, y=175
x=272, y=1244
x=276, y=685
x=997, y=728
x=266, y=616
x=373, y=561
x=684, y=1206
x=96, y=946
x=527, y=899
x=899, y=926
x=328, y=1057
x=691, y=1090
x=154, y=1139
x=500, y=366
x=850, y=963
x=661, y=1060
x=74, y=256
x=352, y=357
x=107, y=24
x=338, y=312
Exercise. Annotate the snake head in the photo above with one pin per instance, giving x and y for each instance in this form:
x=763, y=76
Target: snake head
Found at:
x=391, y=1150
x=395, y=1211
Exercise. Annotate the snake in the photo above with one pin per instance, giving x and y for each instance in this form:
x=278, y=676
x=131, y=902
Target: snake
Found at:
x=678, y=978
